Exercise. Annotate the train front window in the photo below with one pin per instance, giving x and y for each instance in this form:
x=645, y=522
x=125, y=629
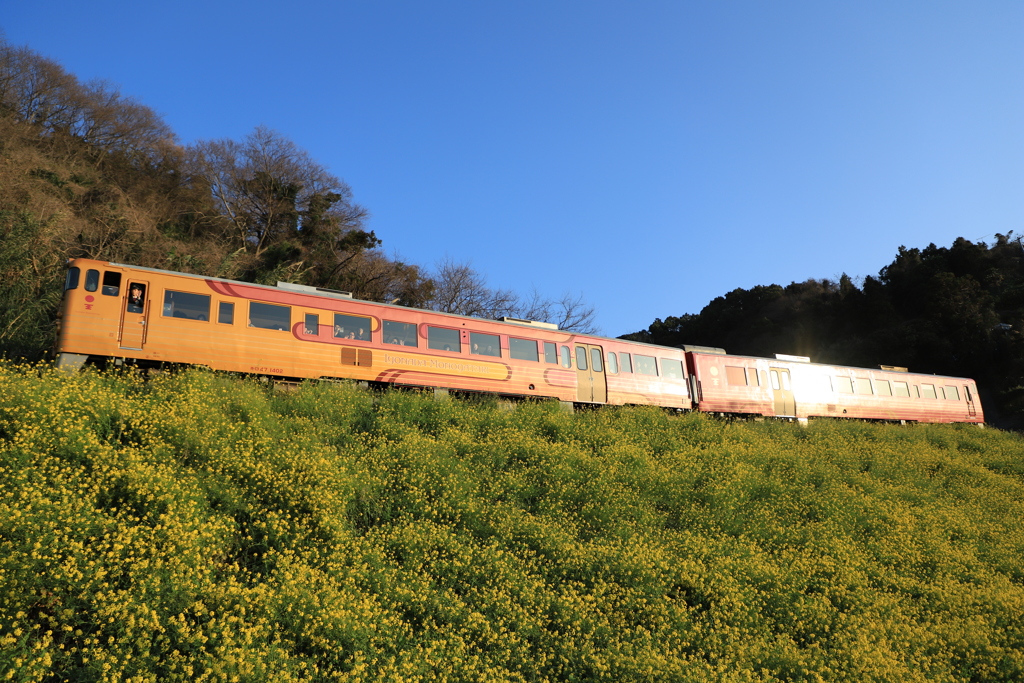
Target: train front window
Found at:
x=186, y=305
x=71, y=280
x=523, y=349
x=92, y=280
x=269, y=316
x=485, y=344
x=402, y=334
x=111, y=283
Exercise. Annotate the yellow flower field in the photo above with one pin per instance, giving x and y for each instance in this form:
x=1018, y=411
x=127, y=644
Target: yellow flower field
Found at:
x=200, y=527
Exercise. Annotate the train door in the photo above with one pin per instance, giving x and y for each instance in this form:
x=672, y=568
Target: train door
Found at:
x=134, y=315
x=590, y=380
x=782, y=389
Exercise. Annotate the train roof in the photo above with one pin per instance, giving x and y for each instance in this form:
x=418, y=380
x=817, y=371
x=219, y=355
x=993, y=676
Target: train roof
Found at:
x=791, y=360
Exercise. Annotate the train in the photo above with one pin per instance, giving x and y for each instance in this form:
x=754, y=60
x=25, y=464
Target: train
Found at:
x=154, y=318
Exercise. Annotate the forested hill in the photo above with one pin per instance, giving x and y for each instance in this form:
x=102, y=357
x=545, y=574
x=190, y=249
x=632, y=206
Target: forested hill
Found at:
x=955, y=310
x=88, y=172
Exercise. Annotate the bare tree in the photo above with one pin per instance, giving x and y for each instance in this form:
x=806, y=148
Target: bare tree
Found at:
x=40, y=92
x=458, y=288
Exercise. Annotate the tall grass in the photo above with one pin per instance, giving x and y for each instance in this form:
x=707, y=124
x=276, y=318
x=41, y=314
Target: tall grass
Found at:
x=198, y=527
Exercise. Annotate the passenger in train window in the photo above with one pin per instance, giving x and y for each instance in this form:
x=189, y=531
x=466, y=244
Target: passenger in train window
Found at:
x=135, y=298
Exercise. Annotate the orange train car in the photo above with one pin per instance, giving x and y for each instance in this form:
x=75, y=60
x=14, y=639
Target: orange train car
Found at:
x=151, y=317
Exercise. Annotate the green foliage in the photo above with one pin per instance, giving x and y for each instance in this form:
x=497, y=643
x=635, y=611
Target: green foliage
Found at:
x=31, y=288
x=933, y=310
x=197, y=527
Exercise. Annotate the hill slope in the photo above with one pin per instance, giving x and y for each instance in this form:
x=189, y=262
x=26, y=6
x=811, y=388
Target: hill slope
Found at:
x=197, y=527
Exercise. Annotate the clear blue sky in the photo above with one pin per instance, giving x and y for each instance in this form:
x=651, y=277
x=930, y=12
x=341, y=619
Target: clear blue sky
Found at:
x=650, y=155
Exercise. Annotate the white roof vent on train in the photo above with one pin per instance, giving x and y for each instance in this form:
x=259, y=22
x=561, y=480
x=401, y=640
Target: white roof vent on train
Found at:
x=314, y=290
x=792, y=359
x=533, y=323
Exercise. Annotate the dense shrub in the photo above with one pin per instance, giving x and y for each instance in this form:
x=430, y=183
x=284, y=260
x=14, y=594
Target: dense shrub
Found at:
x=199, y=527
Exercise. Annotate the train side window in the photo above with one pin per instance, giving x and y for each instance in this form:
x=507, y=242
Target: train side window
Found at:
x=951, y=393
x=485, y=344
x=928, y=391
x=844, y=385
x=581, y=358
x=735, y=376
x=825, y=382
x=613, y=363
x=351, y=327
x=645, y=365
x=882, y=387
x=625, y=362
x=595, y=360
x=671, y=368
x=550, y=352
x=755, y=381
x=402, y=334
x=523, y=349
x=566, y=357
x=864, y=386
x=917, y=391
x=269, y=316
x=92, y=280
x=312, y=324
x=901, y=389
x=111, y=283
x=226, y=313
x=186, y=305
x=71, y=279
x=444, y=339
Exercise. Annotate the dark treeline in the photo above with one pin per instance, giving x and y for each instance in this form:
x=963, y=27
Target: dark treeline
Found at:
x=88, y=172
x=955, y=310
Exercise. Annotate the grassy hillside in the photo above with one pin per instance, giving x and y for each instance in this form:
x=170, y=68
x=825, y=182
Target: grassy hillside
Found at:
x=198, y=527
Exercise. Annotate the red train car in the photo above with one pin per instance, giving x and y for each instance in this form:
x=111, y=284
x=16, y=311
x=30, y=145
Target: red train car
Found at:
x=795, y=388
x=151, y=317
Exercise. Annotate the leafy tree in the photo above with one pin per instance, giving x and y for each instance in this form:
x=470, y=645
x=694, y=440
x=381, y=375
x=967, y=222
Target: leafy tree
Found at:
x=955, y=310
